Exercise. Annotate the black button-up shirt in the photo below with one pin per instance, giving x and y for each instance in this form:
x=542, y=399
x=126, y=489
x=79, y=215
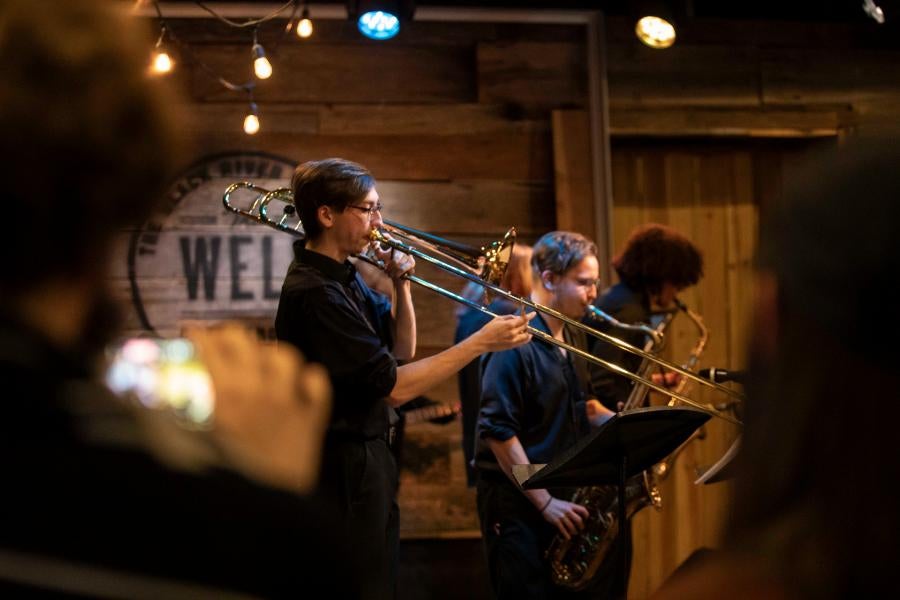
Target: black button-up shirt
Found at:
x=627, y=306
x=532, y=392
x=331, y=315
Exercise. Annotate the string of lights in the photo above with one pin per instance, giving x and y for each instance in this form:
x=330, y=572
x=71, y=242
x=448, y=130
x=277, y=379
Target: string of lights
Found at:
x=162, y=63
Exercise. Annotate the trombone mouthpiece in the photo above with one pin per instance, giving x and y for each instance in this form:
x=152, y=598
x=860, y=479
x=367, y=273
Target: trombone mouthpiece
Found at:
x=380, y=239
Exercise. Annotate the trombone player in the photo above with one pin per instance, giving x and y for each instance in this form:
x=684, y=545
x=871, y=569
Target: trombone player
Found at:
x=364, y=340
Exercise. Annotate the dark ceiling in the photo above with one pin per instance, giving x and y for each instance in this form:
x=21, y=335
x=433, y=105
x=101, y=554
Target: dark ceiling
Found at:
x=846, y=11
x=821, y=10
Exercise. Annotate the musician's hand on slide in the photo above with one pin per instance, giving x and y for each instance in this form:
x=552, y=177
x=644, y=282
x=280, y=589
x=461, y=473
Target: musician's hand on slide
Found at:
x=396, y=263
x=567, y=517
x=504, y=332
x=271, y=410
x=668, y=380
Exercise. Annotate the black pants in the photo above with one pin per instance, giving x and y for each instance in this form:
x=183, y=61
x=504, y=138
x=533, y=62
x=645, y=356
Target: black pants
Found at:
x=516, y=537
x=360, y=479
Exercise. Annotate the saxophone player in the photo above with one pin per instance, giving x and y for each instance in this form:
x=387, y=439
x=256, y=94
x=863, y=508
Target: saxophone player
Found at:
x=533, y=408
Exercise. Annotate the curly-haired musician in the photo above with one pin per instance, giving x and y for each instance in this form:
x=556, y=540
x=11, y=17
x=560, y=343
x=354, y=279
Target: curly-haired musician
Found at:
x=361, y=337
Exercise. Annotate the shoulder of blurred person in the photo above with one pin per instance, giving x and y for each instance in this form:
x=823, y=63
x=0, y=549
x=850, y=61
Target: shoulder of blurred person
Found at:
x=711, y=578
x=814, y=495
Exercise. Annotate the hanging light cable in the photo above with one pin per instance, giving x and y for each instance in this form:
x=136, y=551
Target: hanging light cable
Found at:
x=261, y=65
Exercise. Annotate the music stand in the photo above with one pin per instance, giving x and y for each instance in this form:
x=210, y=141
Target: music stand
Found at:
x=627, y=444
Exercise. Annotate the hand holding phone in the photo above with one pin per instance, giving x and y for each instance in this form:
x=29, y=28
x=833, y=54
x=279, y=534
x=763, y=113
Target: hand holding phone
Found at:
x=266, y=408
x=271, y=408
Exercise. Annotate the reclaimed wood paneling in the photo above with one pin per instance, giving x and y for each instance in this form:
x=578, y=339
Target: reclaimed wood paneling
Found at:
x=806, y=76
x=532, y=75
x=769, y=122
x=473, y=208
x=229, y=116
x=683, y=75
x=572, y=173
x=412, y=119
x=345, y=73
x=411, y=157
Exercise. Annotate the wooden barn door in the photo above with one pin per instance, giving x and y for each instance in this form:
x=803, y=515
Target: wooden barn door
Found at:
x=713, y=192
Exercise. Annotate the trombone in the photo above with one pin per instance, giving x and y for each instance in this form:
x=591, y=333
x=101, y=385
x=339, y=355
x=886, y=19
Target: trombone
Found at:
x=483, y=266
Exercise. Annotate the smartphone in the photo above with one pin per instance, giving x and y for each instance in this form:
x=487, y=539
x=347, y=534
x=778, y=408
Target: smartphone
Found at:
x=163, y=374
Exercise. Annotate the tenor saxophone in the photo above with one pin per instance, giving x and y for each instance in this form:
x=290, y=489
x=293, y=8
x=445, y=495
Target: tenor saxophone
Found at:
x=574, y=562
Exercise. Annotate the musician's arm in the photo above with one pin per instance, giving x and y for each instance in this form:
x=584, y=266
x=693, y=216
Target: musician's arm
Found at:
x=567, y=517
x=404, y=321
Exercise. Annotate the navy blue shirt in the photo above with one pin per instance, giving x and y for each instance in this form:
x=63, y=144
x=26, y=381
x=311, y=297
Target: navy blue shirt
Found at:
x=329, y=313
x=469, y=377
x=534, y=393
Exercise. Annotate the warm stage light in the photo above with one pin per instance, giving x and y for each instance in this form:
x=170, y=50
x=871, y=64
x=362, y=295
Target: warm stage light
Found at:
x=655, y=32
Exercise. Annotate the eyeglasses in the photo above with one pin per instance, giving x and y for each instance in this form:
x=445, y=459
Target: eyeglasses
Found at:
x=369, y=210
x=586, y=283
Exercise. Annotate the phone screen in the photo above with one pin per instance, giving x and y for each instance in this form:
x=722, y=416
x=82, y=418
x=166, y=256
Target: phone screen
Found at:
x=163, y=374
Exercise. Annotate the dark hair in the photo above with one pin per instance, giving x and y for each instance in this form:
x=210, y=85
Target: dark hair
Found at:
x=331, y=182
x=87, y=142
x=654, y=255
x=559, y=251
x=818, y=460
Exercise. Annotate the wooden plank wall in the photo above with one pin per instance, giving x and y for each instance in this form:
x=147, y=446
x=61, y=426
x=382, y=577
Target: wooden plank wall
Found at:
x=455, y=122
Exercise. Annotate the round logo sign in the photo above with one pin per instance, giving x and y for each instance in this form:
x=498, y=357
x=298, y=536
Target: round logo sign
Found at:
x=197, y=261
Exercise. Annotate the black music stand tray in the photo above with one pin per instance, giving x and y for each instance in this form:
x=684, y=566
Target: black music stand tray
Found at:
x=627, y=444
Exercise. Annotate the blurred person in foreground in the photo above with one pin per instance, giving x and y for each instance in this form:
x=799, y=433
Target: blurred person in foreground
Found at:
x=102, y=498
x=815, y=513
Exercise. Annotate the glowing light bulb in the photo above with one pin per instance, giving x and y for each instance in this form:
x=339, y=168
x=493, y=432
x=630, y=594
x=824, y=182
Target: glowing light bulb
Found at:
x=262, y=67
x=655, y=32
x=251, y=124
x=161, y=62
x=304, y=28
